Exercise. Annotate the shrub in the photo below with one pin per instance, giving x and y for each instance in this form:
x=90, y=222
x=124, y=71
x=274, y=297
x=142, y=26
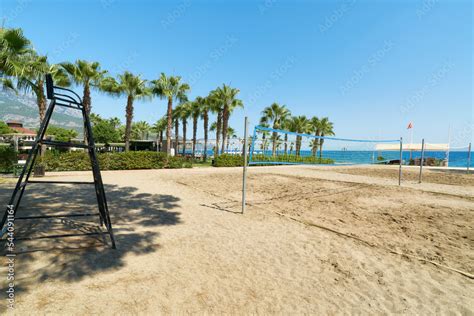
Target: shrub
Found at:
x=227, y=160
x=132, y=160
x=8, y=159
x=293, y=159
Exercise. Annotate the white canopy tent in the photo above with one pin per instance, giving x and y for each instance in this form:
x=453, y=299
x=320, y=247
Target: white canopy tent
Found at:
x=412, y=147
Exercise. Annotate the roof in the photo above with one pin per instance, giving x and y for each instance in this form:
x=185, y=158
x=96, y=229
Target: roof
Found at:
x=415, y=147
x=23, y=130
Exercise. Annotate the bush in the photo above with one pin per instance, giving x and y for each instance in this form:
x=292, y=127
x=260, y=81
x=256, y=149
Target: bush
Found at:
x=293, y=159
x=132, y=160
x=8, y=159
x=227, y=160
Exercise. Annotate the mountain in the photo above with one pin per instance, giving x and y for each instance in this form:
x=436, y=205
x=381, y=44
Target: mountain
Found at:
x=23, y=108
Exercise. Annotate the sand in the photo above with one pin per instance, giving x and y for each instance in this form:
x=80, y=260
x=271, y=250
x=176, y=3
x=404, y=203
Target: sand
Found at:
x=313, y=240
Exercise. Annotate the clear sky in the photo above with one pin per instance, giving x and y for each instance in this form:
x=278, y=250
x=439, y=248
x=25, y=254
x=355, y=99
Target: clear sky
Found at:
x=370, y=66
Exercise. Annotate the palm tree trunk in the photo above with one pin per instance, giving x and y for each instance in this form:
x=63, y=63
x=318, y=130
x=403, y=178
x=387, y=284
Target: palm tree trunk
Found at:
x=298, y=145
x=286, y=144
x=218, y=133
x=176, y=133
x=160, y=142
x=321, y=142
x=41, y=101
x=195, y=121
x=86, y=100
x=274, y=139
x=128, y=124
x=225, y=125
x=185, y=123
x=206, y=128
x=169, y=113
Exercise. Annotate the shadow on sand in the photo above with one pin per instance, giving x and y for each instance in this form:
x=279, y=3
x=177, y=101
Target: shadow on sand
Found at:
x=134, y=217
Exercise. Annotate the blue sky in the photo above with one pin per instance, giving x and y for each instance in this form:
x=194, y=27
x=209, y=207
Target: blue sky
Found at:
x=370, y=66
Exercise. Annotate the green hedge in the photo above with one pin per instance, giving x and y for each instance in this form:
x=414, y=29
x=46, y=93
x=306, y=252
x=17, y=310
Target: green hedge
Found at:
x=226, y=160
x=8, y=159
x=79, y=161
x=293, y=159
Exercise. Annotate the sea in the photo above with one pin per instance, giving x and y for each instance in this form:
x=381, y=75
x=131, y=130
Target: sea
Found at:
x=454, y=158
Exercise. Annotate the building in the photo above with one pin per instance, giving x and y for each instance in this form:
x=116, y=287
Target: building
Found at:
x=23, y=137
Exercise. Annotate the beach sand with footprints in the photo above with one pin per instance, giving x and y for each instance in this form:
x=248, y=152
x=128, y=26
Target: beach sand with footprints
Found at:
x=313, y=240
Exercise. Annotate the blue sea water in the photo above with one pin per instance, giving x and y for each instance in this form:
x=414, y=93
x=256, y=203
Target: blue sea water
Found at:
x=454, y=158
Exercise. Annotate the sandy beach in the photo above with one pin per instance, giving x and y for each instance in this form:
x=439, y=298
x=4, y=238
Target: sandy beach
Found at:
x=313, y=240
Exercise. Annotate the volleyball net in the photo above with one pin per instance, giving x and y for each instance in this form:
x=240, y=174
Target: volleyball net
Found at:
x=279, y=147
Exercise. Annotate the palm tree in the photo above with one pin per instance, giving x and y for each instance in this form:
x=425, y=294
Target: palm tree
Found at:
x=87, y=74
x=226, y=96
x=275, y=115
x=299, y=124
x=134, y=88
x=15, y=49
x=32, y=79
x=170, y=88
x=205, y=108
x=230, y=134
x=140, y=130
x=158, y=128
x=285, y=126
x=315, y=124
x=184, y=113
x=175, y=117
x=327, y=129
x=196, y=110
x=215, y=107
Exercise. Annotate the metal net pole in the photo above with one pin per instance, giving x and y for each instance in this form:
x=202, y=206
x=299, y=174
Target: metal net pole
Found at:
x=422, y=158
x=244, y=180
x=400, y=167
x=468, y=158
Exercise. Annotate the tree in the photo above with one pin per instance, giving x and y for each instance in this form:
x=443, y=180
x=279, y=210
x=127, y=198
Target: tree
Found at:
x=134, y=88
x=226, y=96
x=87, y=74
x=274, y=115
x=5, y=129
x=327, y=129
x=230, y=134
x=32, y=79
x=285, y=126
x=215, y=107
x=315, y=127
x=140, y=130
x=196, y=110
x=14, y=51
x=175, y=116
x=159, y=127
x=185, y=112
x=205, y=108
x=61, y=134
x=170, y=88
x=105, y=131
x=299, y=124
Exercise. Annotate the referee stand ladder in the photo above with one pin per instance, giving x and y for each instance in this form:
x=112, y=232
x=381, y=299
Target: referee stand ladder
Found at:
x=59, y=96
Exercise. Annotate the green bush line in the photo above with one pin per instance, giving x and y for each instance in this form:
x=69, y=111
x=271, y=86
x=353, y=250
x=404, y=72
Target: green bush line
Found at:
x=226, y=160
x=8, y=159
x=132, y=160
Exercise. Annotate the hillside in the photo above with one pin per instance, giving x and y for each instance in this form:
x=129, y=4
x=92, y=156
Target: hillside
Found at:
x=23, y=108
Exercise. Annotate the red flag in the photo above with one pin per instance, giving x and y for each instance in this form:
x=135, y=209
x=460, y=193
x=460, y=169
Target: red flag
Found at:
x=410, y=125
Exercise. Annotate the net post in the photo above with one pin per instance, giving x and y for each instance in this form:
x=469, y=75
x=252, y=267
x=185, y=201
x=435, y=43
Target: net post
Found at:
x=468, y=158
x=244, y=176
x=400, y=167
x=422, y=158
